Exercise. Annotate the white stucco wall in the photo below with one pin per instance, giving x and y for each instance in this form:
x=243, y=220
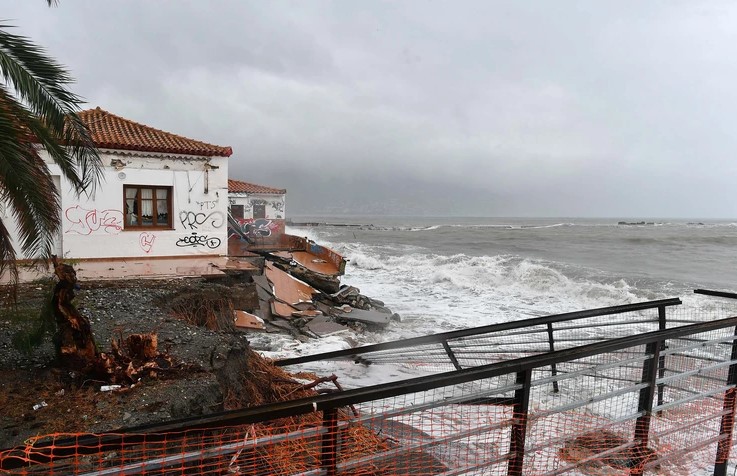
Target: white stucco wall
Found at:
x=93, y=227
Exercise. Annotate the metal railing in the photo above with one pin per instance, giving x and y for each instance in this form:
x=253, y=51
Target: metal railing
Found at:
x=659, y=399
x=476, y=346
x=498, y=418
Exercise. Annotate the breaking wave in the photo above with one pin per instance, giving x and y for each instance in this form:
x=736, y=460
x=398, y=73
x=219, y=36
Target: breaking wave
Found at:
x=498, y=278
x=439, y=292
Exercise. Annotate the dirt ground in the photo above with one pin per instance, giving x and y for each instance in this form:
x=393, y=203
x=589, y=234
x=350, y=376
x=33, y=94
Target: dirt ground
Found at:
x=36, y=398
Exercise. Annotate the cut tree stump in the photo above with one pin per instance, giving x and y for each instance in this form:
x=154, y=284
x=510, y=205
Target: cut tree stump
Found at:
x=74, y=341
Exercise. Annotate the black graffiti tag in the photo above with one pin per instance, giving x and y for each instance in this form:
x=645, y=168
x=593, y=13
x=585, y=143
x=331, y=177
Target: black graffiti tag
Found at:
x=196, y=240
x=207, y=204
x=259, y=228
x=193, y=220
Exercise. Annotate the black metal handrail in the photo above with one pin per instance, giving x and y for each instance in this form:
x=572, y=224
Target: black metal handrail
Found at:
x=708, y=292
x=328, y=403
x=443, y=337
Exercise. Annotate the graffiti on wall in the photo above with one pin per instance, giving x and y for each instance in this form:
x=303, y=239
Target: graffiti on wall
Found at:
x=86, y=222
x=261, y=227
x=193, y=220
x=207, y=204
x=195, y=240
x=146, y=241
x=278, y=206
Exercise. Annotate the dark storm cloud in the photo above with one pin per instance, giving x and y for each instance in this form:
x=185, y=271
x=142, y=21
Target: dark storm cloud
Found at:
x=498, y=108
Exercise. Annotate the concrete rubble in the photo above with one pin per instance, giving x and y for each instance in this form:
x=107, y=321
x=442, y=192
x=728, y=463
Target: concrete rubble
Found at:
x=288, y=304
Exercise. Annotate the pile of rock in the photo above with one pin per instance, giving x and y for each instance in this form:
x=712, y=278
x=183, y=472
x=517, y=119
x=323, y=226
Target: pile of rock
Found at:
x=288, y=304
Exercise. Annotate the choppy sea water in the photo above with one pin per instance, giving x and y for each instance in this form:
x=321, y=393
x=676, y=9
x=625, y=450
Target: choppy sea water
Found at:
x=441, y=274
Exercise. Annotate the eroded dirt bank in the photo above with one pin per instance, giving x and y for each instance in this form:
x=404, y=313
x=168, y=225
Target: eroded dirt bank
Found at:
x=208, y=376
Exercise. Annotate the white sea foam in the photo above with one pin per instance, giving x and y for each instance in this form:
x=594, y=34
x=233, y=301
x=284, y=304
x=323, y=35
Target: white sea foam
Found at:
x=429, y=281
x=435, y=292
x=308, y=233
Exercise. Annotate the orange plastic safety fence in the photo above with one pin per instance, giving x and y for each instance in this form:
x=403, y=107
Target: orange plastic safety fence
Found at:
x=665, y=409
x=472, y=439
x=279, y=447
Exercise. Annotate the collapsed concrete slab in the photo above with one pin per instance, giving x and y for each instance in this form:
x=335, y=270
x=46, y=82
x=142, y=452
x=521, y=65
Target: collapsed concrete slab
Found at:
x=323, y=326
x=247, y=320
x=373, y=317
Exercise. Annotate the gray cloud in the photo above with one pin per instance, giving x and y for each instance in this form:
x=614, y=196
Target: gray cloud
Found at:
x=500, y=108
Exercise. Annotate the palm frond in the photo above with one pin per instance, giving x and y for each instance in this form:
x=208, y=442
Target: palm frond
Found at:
x=41, y=84
x=37, y=111
x=38, y=80
x=26, y=184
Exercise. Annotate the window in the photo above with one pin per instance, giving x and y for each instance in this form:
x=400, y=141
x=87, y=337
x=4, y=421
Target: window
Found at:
x=259, y=210
x=236, y=211
x=147, y=206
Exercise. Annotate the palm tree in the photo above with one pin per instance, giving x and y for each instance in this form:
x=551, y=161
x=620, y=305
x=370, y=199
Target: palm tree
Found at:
x=37, y=112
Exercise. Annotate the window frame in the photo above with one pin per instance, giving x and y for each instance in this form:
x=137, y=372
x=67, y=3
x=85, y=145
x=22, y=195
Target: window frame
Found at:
x=242, y=209
x=254, y=210
x=155, y=225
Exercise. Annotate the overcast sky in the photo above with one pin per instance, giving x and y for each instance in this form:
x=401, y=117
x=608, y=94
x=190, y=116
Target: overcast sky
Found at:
x=617, y=108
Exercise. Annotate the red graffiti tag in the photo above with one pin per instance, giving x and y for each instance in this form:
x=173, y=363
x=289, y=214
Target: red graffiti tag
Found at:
x=86, y=222
x=146, y=240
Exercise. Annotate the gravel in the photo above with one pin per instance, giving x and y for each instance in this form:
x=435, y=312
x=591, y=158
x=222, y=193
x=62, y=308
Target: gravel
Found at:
x=115, y=310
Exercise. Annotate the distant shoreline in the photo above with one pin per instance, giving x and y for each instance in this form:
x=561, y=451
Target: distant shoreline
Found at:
x=314, y=223
x=369, y=225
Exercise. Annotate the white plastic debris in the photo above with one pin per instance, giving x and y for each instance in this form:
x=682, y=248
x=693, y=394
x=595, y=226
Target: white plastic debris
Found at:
x=109, y=388
x=40, y=405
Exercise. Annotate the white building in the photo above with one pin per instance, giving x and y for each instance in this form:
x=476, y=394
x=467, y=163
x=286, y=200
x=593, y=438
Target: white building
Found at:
x=260, y=210
x=161, y=195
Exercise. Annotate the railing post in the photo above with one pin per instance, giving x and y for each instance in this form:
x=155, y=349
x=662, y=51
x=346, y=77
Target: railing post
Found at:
x=645, y=405
x=551, y=345
x=519, y=423
x=329, y=450
x=451, y=355
x=662, y=324
x=727, y=425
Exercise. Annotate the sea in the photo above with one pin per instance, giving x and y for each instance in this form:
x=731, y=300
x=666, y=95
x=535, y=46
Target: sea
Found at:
x=443, y=273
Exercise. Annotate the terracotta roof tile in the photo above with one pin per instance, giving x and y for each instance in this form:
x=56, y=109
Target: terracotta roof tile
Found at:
x=114, y=132
x=236, y=186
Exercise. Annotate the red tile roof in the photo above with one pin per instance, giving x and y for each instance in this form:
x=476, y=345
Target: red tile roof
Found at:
x=114, y=132
x=236, y=186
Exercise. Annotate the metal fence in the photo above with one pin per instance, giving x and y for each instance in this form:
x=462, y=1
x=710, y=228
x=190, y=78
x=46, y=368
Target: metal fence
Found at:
x=660, y=402
x=483, y=345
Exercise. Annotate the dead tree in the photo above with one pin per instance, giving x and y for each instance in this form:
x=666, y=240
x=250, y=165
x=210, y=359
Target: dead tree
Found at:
x=75, y=344
x=130, y=359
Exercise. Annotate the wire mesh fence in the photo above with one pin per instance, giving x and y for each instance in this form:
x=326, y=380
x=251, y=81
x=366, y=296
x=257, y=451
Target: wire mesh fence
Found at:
x=659, y=402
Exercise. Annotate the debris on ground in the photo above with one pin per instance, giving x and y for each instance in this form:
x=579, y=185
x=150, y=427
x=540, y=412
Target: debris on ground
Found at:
x=618, y=453
x=159, y=350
